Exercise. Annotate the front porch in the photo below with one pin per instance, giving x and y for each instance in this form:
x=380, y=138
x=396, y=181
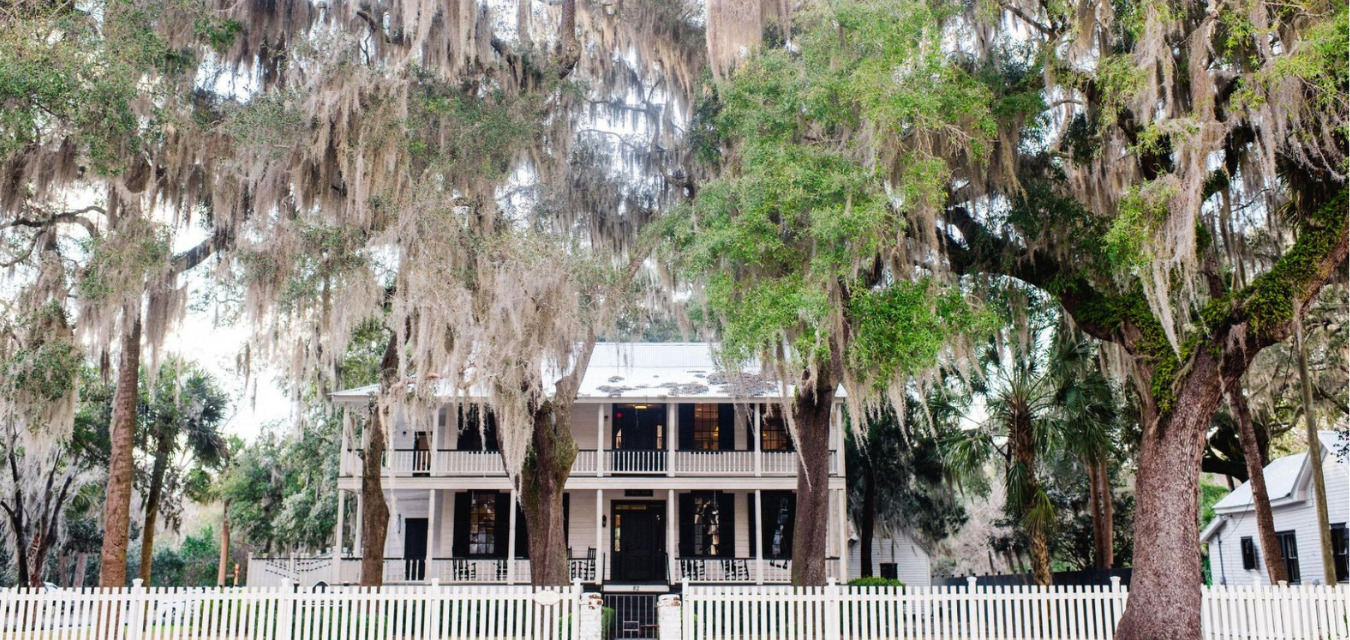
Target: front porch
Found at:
x=310, y=571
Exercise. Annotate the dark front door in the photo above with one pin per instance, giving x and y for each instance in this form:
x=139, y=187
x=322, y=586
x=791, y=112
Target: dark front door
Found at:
x=639, y=541
x=414, y=548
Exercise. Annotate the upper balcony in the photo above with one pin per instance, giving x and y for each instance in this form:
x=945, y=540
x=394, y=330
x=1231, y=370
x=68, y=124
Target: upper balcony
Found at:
x=414, y=463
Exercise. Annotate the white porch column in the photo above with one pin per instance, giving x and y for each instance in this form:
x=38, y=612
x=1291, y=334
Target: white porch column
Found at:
x=337, y=535
x=599, y=536
x=511, y=543
x=672, y=562
x=436, y=426
x=432, y=538
x=602, y=417
x=356, y=542
x=759, y=538
x=672, y=419
x=843, y=536
x=759, y=444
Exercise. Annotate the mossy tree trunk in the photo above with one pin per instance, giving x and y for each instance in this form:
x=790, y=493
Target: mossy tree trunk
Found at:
x=374, y=508
x=112, y=571
x=811, y=409
x=163, y=449
x=1021, y=440
x=1178, y=393
x=547, y=466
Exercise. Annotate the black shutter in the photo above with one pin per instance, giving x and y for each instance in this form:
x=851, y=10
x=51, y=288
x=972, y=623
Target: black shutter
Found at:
x=522, y=534
x=503, y=525
x=567, y=519
x=726, y=427
x=686, y=427
x=790, y=528
x=1248, y=554
x=491, y=431
x=686, y=525
x=750, y=524
x=459, y=544
x=726, y=505
x=467, y=436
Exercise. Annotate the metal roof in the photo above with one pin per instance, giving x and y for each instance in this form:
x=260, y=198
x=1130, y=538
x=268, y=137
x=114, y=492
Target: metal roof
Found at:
x=651, y=371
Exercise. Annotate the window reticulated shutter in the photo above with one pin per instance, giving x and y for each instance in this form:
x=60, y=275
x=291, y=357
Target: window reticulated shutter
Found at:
x=686, y=525
x=522, y=534
x=726, y=427
x=750, y=524
x=503, y=525
x=1248, y=554
x=686, y=427
x=459, y=544
x=727, y=524
x=567, y=519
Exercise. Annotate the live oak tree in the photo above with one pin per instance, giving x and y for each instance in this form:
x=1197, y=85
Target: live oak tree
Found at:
x=792, y=244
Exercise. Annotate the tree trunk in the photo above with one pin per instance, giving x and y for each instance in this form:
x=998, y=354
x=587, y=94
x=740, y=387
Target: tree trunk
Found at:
x=1099, y=557
x=163, y=449
x=1022, y=441
x=1315, y=459
x=542, y=478
x=121, y=467
x=1108, y=518
x=811, y=409
x=81, y=567
x=225, y=546
x=374, y=510
x=868, y=520
x=1165, y=586
x=1256, y=479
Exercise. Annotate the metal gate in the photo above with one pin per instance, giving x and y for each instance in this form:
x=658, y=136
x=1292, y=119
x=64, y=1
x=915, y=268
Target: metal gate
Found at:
x=634, y=616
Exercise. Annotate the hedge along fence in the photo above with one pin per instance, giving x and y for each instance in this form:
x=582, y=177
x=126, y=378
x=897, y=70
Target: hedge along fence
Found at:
x=390, y=613
x=974, y=612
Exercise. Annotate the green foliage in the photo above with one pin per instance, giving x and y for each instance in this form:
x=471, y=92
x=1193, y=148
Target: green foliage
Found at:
x=1269, y=303
x=874, y=581
x=281, y=487
x=903, y=327
x=1209, y=495
x=45, y=367
x=193, y=563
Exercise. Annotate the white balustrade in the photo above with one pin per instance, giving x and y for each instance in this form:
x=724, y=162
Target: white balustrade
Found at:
x=715, y=463
x=585, y=462
x=637, y=461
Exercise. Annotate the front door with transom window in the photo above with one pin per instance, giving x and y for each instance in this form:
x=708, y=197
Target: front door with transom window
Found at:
x=639, y=541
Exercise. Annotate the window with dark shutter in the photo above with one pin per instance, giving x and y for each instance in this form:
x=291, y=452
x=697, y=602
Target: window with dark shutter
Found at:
x=1248, y=554
x=475, y=434
x=706, y=428
x=1340, y=551
x=773, y=428
x=1289, y=549
x=890, y=571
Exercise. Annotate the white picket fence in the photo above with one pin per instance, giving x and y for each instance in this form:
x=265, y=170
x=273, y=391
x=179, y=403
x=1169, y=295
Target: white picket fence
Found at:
x=391, y=613
x=995, y=613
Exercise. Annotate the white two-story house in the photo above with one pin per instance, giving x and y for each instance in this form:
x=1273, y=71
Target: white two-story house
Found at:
x=680, y=476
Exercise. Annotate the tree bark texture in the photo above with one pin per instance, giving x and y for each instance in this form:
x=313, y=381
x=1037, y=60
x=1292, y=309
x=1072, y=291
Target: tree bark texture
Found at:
x=1256, y=480
x=374, y=508
x=121, y=467
x=811, y=409
x=1315, y=460
x=225, y=546
x=542, y=478
x=1022, y=442
x=163, y=449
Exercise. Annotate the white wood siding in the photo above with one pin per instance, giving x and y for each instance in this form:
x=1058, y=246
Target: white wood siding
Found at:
x=911, y=561
x=1225, y=551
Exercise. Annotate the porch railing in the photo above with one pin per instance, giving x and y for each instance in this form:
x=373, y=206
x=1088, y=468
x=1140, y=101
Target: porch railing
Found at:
x=417, y=462
x=637, y=461
x=742, y=570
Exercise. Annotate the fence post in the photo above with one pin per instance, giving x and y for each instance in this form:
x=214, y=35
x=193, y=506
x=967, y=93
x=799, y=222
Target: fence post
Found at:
x=668, y=618
x=286, y=601
x=591, y=625
x=975, y=621
x=1118, y=603
x=832, y=602
x=136, y=616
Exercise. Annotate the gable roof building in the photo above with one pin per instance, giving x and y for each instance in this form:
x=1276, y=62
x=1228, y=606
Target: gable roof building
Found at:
x=1234, y=544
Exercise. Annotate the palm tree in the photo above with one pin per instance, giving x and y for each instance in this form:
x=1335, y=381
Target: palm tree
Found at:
x=182, y=414
x=1043, y=398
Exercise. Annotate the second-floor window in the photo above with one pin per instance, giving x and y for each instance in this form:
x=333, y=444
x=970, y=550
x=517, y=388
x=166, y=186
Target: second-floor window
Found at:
x=706, y=430
x=774, y=429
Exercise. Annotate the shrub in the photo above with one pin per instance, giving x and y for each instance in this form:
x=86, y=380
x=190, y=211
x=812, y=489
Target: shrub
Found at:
x=875, y=582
